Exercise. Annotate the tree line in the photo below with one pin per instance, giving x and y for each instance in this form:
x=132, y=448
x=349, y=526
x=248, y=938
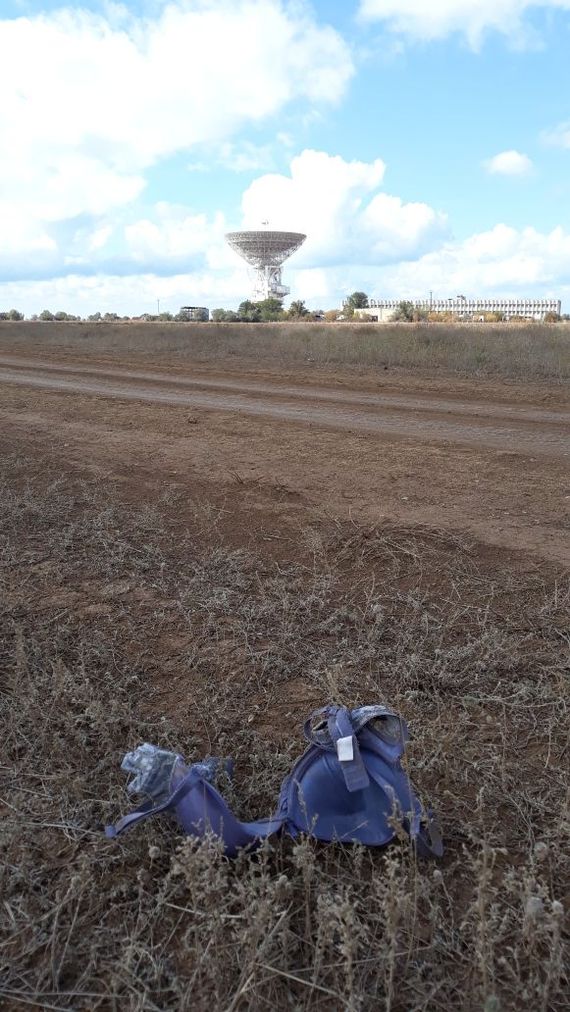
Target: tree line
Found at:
x=268, y=310
x=272, y=311
x=265, y=311
x=47, y=316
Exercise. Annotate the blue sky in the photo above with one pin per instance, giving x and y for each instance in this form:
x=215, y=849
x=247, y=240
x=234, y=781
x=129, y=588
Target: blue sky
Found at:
x=420, y=147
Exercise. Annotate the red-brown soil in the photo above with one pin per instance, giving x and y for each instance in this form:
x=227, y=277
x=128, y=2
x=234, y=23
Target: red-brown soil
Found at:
x=494, y=466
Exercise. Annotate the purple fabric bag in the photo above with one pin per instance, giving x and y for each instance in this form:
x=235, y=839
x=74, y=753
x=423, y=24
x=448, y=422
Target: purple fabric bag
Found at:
x=349, y=786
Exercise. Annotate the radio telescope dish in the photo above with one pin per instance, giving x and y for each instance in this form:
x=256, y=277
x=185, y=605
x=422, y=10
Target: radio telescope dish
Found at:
x=265, y=252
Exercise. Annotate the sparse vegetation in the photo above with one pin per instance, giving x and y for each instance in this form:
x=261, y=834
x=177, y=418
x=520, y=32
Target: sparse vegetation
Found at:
x=119, y=625
x=531, y=352
x=406, y=312
x=298, y=310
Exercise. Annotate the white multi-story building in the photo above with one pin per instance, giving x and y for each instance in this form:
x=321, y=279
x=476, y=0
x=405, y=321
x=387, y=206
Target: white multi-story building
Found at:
x=382, y=310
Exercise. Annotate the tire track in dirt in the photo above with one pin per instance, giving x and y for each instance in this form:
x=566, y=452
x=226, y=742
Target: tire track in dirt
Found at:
x=544, y=440
x=383, y=401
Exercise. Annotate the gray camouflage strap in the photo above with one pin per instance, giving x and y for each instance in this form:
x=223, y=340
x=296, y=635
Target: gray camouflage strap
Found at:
x=339, y=736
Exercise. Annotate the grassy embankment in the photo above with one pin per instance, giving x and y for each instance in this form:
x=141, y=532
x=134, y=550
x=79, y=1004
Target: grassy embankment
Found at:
x=534, y=352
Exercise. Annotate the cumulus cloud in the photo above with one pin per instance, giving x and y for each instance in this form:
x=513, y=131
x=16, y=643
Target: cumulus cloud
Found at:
x=132, y=295
x=423, y=20
x=173, y=235
x=359, y=237
x=508, y=163
x=502, y=260
x=89, y=102
x=337, y=204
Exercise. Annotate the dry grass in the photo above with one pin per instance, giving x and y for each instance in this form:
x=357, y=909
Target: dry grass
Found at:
x=522, y=352
x=115, y=630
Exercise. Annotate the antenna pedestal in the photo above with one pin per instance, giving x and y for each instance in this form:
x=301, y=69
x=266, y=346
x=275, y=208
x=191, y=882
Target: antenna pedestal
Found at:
x=267, y=284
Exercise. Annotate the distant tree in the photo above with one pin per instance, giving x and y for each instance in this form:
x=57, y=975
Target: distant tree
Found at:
x=110, y=317
x=165, y=317
x=249, y=312
x=94, y=318
x=224, y=316
x=63, y=317
x=46, y=315
x=13, y=314
x=271, y=310
x=297, y=310
x=552, y=318
x=358, y=300
x=404, y=313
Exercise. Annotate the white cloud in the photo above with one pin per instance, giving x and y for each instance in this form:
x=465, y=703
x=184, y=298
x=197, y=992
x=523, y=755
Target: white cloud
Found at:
x=131, y=295
x=558, y=136
x=172, y=234
x=240, y=156
x=100, y=237
x=245, y=156
x=508, y=163
x=336, y=203
x=359, y=237
x=502, y=260
x=435, y=19
x=89, y=102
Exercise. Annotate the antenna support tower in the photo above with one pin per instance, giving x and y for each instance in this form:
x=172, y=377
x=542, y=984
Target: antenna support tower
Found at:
x=266, y=252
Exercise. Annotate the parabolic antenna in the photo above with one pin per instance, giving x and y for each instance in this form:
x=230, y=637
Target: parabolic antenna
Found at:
x=266, y=251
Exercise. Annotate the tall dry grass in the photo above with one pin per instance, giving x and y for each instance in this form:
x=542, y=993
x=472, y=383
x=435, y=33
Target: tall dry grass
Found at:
x=531, y=352
x=117, y=626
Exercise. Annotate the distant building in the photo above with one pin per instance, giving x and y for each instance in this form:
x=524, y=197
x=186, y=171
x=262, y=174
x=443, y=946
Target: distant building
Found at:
x=382, y=310
x=193, y=313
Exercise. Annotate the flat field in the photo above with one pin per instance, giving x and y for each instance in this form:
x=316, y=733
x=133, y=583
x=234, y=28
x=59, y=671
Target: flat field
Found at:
x=203, y=536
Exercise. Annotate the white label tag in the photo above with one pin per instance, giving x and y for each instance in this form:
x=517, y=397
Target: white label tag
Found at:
x=344, y=749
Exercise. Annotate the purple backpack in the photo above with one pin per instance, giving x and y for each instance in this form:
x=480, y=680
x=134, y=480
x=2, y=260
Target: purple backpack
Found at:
x=349, y=787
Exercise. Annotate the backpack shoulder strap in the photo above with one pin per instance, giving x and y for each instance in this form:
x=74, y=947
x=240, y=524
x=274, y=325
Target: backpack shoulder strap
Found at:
x=203, y=812
x=335, y=732
x=387, y=738
x=149, y=808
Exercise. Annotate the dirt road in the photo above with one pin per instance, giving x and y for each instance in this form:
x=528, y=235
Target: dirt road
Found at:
x=499, y=426
x=496, y=468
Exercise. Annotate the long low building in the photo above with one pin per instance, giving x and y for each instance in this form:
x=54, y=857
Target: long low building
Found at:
x=382, y=310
